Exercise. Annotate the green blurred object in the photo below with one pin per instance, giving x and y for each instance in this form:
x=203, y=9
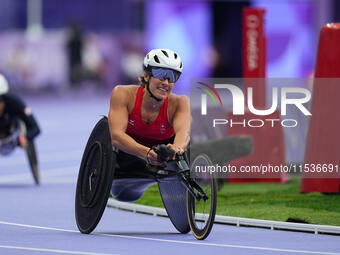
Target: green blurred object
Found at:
x=269, y=201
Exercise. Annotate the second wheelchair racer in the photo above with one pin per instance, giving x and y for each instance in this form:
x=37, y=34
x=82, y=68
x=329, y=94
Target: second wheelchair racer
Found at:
x=17, y=123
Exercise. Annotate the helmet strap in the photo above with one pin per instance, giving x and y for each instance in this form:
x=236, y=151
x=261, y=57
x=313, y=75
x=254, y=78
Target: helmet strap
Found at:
x=152, y=95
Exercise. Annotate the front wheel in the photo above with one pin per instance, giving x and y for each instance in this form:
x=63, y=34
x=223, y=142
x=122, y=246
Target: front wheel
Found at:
x=201, y=213
x=33, y=161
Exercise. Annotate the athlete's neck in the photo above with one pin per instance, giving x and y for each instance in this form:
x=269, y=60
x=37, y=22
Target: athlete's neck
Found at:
x=151, y=103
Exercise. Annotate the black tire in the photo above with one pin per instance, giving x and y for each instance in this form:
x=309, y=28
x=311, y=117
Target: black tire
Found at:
x=201, y=214
x=33, y=161
x=95, y=178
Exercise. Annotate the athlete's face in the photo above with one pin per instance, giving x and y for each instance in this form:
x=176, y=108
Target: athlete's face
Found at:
x=161, y=88
x=2, y=107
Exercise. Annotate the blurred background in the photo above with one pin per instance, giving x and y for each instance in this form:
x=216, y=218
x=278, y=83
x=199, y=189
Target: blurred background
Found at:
x=64, y=57
x=57, y=45
x=83, y=48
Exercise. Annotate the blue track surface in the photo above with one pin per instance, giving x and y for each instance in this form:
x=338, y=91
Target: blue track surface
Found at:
x=40, y=220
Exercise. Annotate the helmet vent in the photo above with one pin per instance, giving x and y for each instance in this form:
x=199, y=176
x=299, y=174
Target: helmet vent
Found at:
x=156, y=59
x=165, y=53
x=180, y=65
x=147, y=56
x=175, y=56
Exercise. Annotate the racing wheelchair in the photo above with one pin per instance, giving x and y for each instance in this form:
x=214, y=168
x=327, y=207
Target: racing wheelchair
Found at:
x=189, y=197
x=9, y=143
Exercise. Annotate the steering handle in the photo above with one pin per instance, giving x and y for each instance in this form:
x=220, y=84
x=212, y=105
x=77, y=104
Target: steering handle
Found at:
x=164, y=153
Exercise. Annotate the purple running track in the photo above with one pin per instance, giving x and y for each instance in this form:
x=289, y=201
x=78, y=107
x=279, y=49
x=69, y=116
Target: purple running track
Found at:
x=40, y=219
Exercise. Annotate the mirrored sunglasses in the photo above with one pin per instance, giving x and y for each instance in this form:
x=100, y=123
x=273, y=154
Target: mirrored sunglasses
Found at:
x=162, y=74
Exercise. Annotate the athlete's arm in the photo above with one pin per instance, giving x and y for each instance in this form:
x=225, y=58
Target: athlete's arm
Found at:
x=22, y=111
x=118, y=120
x=182, y=124
x=33, y=129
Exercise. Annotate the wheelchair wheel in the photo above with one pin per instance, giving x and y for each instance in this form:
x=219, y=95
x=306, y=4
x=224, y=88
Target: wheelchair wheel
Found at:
x=95, y=178
x=33, y=161
x=200, y=213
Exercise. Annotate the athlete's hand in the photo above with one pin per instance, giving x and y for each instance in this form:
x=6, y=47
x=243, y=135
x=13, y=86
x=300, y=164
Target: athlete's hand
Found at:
x=22, y=141
x=176, y=148
x=152, y=159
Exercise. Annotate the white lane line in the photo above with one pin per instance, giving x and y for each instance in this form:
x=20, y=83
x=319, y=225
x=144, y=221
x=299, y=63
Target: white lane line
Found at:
x=201, y=243
x=36, y=227
x=53, y=250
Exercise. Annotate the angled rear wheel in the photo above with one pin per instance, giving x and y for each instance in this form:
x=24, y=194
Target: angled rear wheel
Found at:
x=95, y=178
x=33, y=161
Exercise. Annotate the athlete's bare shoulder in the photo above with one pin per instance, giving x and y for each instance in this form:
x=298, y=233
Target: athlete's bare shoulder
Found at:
x=125, y=89
x=177, y=99
x=125, y=92
x=176, y=102
x=124, y=95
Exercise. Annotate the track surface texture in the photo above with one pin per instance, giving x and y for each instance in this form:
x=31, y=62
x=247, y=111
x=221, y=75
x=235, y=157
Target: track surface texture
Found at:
x=40, y=219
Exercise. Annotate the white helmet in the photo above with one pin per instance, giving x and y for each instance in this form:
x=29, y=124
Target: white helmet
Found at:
x=3, y=85
x=163, y=58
